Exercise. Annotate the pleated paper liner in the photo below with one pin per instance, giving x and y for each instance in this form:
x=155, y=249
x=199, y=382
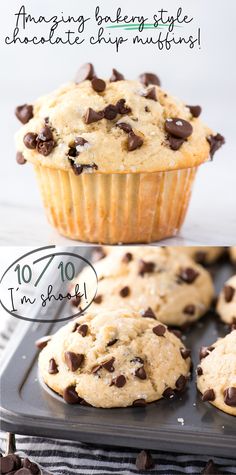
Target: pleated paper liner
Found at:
x=116, y=208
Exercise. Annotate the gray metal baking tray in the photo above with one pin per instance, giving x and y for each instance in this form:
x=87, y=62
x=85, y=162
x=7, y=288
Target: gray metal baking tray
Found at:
x=184, y=425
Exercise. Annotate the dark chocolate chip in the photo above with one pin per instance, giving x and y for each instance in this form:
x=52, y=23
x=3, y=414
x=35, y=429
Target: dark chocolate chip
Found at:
x=20, y=158
x=230, y=396
x=120, y=381
x=125, y=127
x=145, y=267
x=45, y=148
x=75, y=327
x=85, y=72
x=139, y=403
x=125, y=291
x=98, y=84
x=92, y=116
x=83, y=330
x=205, y=350
x=112, y=342
x=149, y=78
x=78, y=168
x=110, y=112
x=144, y=460
x=98, y=299
x=181, y=383
x=208, y=395
x=80, y=141
x=151, y=94
x=45, y=134
x=228, y=293
x=122, y=108
x=210, y=469
x=179, y=128
x=52, y=369
x=185, y=353
x=7, y=464
x=148, y=313
x=199, y=371
x=159, y=330
x=134, y=142
x=189, y=310
x=116, y=76
x=33, y=467
x=73, y=360
x=188, y=275
x=108, y=365
x=24, y=113
x=42, y=342
x=70, y=395
x=137, y=359
x=169, y=393
x=98, y=254
x=174, y=142
x=30, y=140
x=127, y=257
x=141, y=373
x=195, y=110
x=215, y=142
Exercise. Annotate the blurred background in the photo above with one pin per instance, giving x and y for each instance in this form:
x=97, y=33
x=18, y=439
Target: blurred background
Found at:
x=204, y=76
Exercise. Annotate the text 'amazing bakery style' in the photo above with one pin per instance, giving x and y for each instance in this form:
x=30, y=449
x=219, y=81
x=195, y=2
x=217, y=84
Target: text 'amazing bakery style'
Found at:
x=157, y=282
x=116, y=359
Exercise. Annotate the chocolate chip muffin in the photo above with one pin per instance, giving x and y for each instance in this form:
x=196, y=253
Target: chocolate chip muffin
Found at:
x=226, y=305
x=204, y=255
x=217, y=374
x=115, y=159
x=114, y=359
x=159, y=283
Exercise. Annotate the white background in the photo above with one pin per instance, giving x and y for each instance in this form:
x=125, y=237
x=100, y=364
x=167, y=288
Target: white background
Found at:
x=205, y=76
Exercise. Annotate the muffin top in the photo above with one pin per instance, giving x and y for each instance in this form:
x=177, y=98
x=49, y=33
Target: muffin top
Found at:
x=157, y=282
x=119, y=126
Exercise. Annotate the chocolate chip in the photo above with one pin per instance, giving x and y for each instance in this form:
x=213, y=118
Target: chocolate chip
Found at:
x=70, y=395
x=189, y=310
x=188, y=275
x=144, y=460
x=125, y=127
x=24, y=113
x=208, y=395
x=80, y=141
x=205, y=350
x=75, y=327
x=228, y=293
x=110, y=112
x=42, y=342
x=137, y=359
x=141, y=373
x=98, y=84
x=7, y=464
x=230, y=396
x=210, y=469
x=33, y=467
x=122, y=108
x=30, y=140
x=127, y=257
x=98, y=299
x=174, y=142
x=151, y=94
x=178, y=127
x=52, y=369
x=76, y=300
x=125, y=292
x=199, y=371
x=145, y=267
x=195, y=110
x=83, y=330
x=45, y=148
x=45, y=134
x=148, y=313
x=78, y=168
x=85, y=72
x=134, y=142
x=73, y=360
x=169, y=393
x=108, y=365
x=120, y=381
x=116, y=76
x=93, y=116
x=181, y=383
x=149, y=78
x=112, y=342
x=20, y=158
x=215, y=142
x=185, y=353
x=159, y=330
x=98, y=254
x=139, y=402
